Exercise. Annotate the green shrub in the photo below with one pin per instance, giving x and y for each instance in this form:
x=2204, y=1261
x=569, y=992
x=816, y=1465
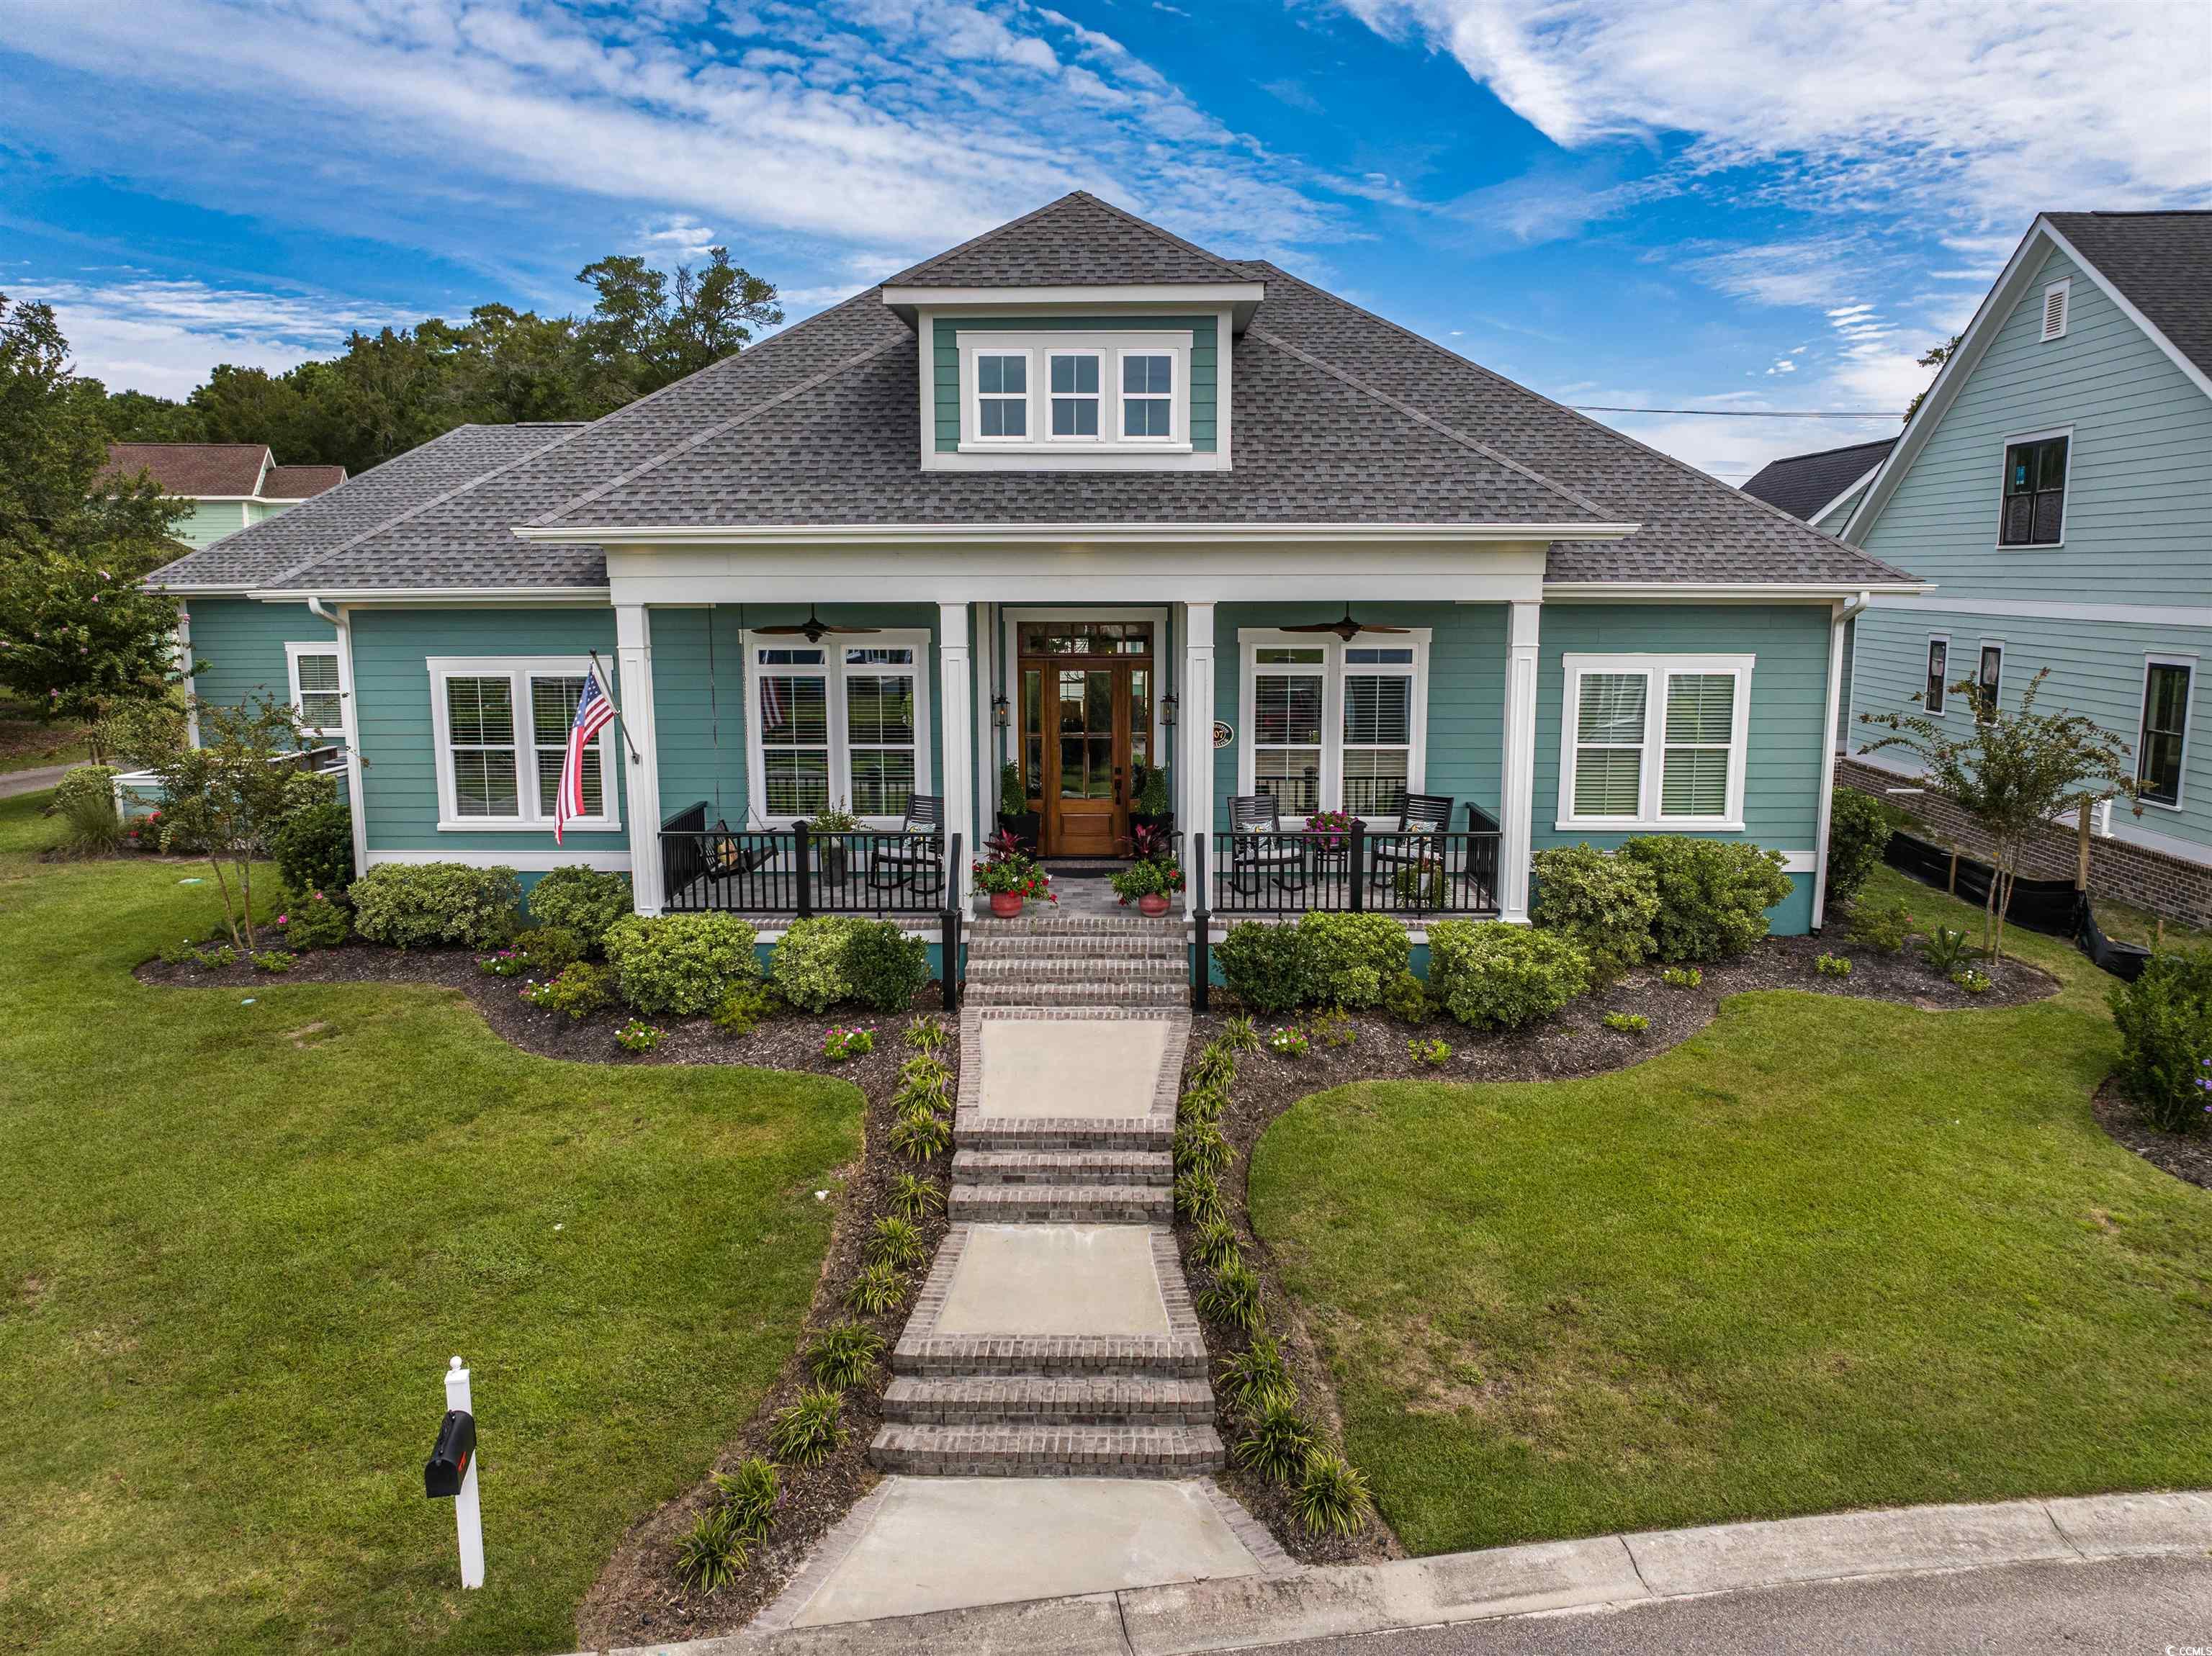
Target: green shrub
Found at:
x=1834, y=966
x=580, y=991
x=880, y=1287
x=85, y=800
x=1276, y=1442
x=313, y=848
x=86, y=784
x=1713, y=893
x=311, y=920
x=581, y=901
x=1887, y=926
x=915, y=1197
x=895, y=1241
x=919, y=1138
x=1332, y=1029
x=1240, y=1034
x=751, y=1495
x=1493, y=975
x=548, y=950
x=1435, y=1052
x=823, y=962
x=2165, y=1019
x=740, y=1011
x=1603, y=904
x=679, y=964
x=1214, y=1244
x=272, y=960
x=1859, y=827
x=1267, y=966
x=1406, y=999
x=884, y=966
x=1973, y=979
x=1332, y=1497
x=713, y=1552
x=418, y=904
x=1349, y=957
x=1199, y=1147
x=1420, y=884
x=638, y=1036
x=1257, y=1378
x=809, y=1431
x=844, y=1356
x=1681, y=977
x=1233, y=1298
x=1944, y=950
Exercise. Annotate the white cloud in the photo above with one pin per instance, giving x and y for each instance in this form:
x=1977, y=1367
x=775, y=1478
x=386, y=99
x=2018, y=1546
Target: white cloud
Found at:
x=678, y=236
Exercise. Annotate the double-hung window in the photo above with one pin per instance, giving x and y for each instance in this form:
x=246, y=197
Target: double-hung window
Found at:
x=1939, y=682
x=318, y=692
x=1002, y=395
x=840, y=724
x=502, y=725
x=2033, y=510
x=1654, y=742
x=1332, y=726
x=1147, y=394
x=2164, y=745
x=1988, y=681
x=1104, y=394
x=1075, y=394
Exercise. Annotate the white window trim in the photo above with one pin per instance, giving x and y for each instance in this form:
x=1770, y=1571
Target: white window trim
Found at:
x=1077, y=439
x=2167, y=658
x=972, y=396
x=1039, y=347
x=2065, y=290
x=1251, y=640
x=2005, y=446
x=344, y=730
x=1935, y=639
x=1980, y=648
x=1655, y=669
x=518, y=671
x=833, y=646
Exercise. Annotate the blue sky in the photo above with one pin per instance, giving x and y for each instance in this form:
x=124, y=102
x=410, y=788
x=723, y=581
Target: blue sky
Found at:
x=1691, y=203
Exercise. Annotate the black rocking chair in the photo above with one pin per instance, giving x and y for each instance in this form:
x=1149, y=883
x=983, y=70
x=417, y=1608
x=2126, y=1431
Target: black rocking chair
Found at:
x=1277, y=856
x=1407, y=847
x=916, y=857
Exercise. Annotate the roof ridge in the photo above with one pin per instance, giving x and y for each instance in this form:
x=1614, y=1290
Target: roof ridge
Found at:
x=799, y=388
x=1428, y=420
x=907, y=275
x=1840, y=448
x=1683, y=466
x=1159, y=230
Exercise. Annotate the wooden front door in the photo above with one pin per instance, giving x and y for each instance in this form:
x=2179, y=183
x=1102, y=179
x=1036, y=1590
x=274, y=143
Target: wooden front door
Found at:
x=1086, y=735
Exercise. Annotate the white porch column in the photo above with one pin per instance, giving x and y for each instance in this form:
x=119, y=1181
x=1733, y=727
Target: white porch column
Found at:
x=1194, y=763
x=1516, y=803
x=956, y=694
x=640, y=754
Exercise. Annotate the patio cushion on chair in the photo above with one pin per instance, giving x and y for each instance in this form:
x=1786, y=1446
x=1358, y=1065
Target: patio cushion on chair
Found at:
x=732, y=855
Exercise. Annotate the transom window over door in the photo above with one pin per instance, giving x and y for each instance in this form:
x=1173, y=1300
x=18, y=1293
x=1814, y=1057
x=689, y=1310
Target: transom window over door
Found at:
x=2035, y=507
x=500, y=725
x=1332, y=725
x=1654, y=742
x=840, y=724
x=2164, y=743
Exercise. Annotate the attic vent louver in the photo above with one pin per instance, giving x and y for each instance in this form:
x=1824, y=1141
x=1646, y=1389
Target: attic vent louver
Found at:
x=2054, y=310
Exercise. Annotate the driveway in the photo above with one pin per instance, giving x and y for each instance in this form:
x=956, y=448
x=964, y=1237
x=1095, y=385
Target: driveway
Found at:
x=31, y=781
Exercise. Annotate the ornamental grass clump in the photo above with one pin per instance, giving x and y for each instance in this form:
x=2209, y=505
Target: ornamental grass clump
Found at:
x=1332, y=1498
x=750, y=1492
x=1214, y=1246
x=1232, y=1298
x=879, y=1287
x=1214, y=1066
x=924, y=1033
x=1276, y=1442
x=915, y=1197
x=1198, y=1198
x=1203, y=1104
x=714, y=1551
x=844, y=1354
x=896, y=1241
x=1258, y=1378
x=809, y=1431
x=1200, y=1147
x=1240, y=1034
x=920, y=1136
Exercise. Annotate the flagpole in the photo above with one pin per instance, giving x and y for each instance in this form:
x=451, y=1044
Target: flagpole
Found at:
x=607, y=688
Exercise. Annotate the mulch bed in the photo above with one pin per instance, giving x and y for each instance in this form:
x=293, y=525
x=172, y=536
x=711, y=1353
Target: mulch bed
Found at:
x=1575, y=1043
x=2187, y=1157
x=637, y=1599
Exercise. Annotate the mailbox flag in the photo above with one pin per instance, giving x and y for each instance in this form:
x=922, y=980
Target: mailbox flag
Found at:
x=593, y=713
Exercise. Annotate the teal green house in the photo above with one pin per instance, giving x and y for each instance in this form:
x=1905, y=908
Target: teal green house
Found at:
x=229, y=486
x=2053, y=488
x=1077, y=517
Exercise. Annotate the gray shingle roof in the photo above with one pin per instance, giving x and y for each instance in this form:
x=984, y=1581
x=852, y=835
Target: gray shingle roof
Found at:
x=1801, y=484
x=256, y=556
x=2161, y=261
x=1075, y=241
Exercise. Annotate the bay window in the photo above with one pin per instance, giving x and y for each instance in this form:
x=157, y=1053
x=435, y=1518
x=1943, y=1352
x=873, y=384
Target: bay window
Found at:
x=501, y=730
x=1331, y=725
x=839, y=724
x=1654, y=742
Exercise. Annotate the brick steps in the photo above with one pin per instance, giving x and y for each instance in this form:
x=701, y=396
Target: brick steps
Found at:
x=1062, y=1204
x=1049, y=1400
x=996, y=1134
x=988, y=928
x=1062, y=1166
x=1092, y=992
x=1085, y=969
x=945, y=1357
x=1006, y=1451
x=1081, y=945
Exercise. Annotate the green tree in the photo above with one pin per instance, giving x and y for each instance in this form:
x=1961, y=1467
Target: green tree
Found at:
x=1937, y=357
x=77, y=639
x=656, y=329
x=2012, y=772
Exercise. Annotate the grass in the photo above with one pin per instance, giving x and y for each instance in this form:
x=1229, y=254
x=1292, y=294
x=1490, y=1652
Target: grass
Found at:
x=1828, y=1253
x=240, y=1242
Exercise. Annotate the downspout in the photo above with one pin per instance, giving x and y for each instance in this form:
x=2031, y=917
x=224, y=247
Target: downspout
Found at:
x=1841, y=617
x=342, y=624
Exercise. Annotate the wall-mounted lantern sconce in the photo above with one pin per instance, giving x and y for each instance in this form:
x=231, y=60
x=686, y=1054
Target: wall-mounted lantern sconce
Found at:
x=1168, y=705
x=1000, y=710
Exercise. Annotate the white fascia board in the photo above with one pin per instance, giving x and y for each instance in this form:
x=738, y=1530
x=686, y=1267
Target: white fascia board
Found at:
x=418, y=597
x=1242, y=297
x=644, y=538
x=1866, y=478
x=2197, y=376
x=1719, y=591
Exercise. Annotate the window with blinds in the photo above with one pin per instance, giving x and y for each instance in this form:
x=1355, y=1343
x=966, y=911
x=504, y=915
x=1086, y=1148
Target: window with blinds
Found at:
x=1288, y=690
x=1654, y=742
x=552, y=714
x=1609, y=750
x=480, y=721
x=315, y=693
x=1700, y=721
x=501, y=725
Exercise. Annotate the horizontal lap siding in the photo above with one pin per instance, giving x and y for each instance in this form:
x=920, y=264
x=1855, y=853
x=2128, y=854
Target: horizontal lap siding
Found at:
x=243, y=642
x=209, y=520
x=1205, y=362
x=392, y=649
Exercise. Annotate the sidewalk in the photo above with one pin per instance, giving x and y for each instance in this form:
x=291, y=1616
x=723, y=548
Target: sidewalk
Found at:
x=13, y=783
x=1245, y=1611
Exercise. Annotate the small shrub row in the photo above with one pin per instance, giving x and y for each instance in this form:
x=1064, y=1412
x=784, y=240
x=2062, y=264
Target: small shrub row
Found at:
x=833, y=958
x=1674, y=897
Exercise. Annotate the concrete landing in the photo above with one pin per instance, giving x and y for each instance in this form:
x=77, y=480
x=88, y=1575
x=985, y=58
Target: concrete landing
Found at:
x=1097, y=1069
x=929, y=1543
x=1054, y=1279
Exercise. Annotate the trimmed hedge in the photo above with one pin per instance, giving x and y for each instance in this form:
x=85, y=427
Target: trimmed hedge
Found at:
x=683, y=965
x=1497, y=976
x=313, y=849
x=583, y=900
x=1351, y=957
x=1859, y=827
x=1713, y=893
x=1267, y=966
x=1603, y=904
x=418, y=904
x=825, y=962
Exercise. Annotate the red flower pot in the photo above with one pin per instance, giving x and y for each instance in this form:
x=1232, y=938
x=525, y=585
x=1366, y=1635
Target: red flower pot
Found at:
x=1154, y=903
x=1006, y=904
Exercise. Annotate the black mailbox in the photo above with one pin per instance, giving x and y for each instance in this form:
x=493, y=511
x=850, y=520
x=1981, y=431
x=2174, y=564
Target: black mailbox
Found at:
x=449, y=1462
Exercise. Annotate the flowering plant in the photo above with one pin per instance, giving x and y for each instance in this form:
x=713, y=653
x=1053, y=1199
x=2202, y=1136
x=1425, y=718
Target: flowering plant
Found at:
x=1286, y=1042
x=638, y=1036
x=840, y=1046
x=1013, y=872
x=1334, y=827
x=506, y=963
x=1155, y=878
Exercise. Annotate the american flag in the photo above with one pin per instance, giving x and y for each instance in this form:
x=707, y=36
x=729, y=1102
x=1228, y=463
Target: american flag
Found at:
x=593, y=713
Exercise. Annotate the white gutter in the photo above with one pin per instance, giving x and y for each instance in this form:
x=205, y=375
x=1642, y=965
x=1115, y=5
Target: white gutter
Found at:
x=640, y=535
x=342, y=623
x=1844, y=613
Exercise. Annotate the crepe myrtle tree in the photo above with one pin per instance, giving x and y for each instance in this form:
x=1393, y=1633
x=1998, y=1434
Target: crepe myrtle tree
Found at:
x=229, y=795
x=78, y=641
x=2012, y=772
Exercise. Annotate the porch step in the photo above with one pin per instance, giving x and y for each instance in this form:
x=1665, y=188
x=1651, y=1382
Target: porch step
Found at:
x=992, y=1134
x=1077, y=1357
x=1062, y=1204
x=1081, y=946
x=1049, y=1451
x=993, y=992
x=1049, y=969
x=1049, y=1400
x=1051, y=925
x=1062, y=1166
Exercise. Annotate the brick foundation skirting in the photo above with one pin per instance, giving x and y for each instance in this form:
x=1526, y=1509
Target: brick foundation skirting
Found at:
x=2125, y=872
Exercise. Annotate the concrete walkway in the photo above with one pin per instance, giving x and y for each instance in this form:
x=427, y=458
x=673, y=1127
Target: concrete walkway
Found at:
x=35, y=781
x=1607, y=1572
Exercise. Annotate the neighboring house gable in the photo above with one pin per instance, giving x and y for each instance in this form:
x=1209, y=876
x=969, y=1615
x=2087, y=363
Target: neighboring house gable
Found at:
x=231, y=486
x=1821, y=487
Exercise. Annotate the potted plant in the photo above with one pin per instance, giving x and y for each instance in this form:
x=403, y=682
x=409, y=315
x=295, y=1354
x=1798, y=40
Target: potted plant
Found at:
x=1149, y=882
x=1015, y=816
x=1331, y=836
x=1009, y=877
x=833, y=856
x=1154, y=807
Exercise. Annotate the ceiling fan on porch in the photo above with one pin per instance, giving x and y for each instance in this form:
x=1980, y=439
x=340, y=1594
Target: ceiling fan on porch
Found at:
x=1347, y=629
x=814, y=627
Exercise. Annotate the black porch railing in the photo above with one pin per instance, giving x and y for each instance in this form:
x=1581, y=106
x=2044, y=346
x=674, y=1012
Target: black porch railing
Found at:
x=1378, y=870
x=802, y=873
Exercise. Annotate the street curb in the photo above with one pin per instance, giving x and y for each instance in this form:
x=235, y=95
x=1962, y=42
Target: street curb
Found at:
x=1239, y=1612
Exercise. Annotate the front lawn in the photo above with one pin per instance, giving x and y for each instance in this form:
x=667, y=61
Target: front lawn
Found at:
x=1828, y=1253
x=240, y=1240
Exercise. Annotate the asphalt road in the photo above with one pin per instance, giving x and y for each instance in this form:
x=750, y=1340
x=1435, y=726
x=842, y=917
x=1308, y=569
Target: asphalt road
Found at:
x=2155, y=1606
